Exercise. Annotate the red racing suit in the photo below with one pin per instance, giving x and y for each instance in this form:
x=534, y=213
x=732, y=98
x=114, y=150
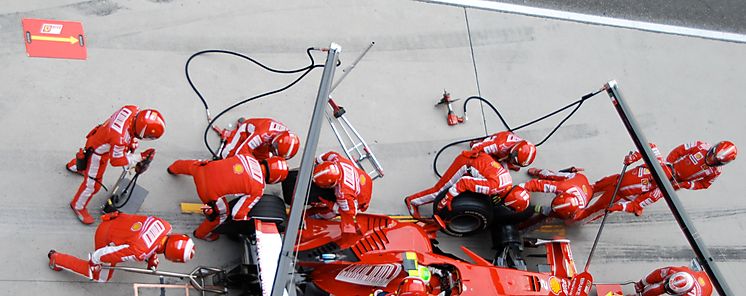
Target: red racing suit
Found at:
x=111, y=141
x=237, y=175
x=689, y=166
x=252, y=136
x=498, y=146
x=654, y=283
x=638, y=189
x=558, y=183
x=120, y=237
x=353, y=193
x=471, y=171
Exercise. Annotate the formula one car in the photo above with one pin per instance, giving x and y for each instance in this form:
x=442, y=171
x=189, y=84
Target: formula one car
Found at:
x=381, y=256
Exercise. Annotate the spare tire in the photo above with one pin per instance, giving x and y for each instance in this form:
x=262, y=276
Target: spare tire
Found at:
x=472, y=212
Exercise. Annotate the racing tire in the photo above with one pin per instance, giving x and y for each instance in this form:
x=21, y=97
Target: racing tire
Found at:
x=288, y=185
x=270, y=208
x=472, y=212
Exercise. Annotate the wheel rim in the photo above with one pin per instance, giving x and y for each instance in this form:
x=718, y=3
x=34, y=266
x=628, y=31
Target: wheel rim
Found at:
x=464, y=223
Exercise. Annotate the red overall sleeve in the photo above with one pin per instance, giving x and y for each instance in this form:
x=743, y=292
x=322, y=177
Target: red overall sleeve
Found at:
x=541, y=185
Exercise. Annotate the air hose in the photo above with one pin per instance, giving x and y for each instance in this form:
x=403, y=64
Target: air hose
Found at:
x=305, y=70
x=577, y=105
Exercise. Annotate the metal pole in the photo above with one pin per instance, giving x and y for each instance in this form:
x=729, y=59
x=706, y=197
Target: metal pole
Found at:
x=686, y=225
x=303, y=184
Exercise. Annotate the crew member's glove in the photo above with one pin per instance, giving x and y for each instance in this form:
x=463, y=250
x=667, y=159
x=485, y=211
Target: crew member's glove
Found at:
x=513, y=167
x=210, y=210
x=545, y=211
x=639, y=287
x=446, y=202
x=153, y=262
x=571, y=169
x=148, y=154
x=619, y=207
x=631, y=158
x=147, y=157
x=533, y=172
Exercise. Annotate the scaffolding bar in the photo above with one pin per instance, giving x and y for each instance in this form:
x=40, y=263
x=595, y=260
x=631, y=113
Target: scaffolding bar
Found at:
x=302, y=186
x=677, y=209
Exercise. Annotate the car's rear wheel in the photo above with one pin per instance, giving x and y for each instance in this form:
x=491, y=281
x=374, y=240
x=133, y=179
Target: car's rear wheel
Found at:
x=471, y=213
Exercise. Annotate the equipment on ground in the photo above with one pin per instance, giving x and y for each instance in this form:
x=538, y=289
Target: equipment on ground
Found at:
x=451, y=117
x=127, y=196
x=204, y=279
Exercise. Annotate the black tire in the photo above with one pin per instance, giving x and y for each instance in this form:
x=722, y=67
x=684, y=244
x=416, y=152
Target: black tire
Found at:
x=270, y=208
x=289, y=185
x=472, y=213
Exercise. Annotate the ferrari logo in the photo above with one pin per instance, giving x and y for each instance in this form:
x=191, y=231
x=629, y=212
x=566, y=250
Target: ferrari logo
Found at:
x=136, y=226
x=495, y=164
x=238, y=169
x=362, y=180
x=698, y=156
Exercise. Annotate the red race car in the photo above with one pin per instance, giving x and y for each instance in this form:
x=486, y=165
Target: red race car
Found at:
x=377, y=261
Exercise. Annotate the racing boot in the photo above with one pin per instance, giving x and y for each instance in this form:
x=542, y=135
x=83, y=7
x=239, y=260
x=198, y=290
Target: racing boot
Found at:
x=82, y=215
x=71, y=167
x=204, y=230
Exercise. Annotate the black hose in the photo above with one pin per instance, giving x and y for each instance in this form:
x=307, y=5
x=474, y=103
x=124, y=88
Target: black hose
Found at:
x=207, y=130
x=578, y=103
x=307, y=70
x=204, y=102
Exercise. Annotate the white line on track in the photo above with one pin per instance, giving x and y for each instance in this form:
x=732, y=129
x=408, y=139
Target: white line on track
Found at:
x=592, y=19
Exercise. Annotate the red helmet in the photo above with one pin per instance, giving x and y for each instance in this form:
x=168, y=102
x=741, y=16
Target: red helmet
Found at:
x=722, y=153
x=326, y=174
x=565, y=205
x=179, y=248
x=275, y=169
x=285, y=144
x=522, y=153
x=679, y=283
x=148, y=124
x=412, y=286
x=517, y=199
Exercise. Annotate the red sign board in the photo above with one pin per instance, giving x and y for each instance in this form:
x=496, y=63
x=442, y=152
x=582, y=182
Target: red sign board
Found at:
x=54, y=39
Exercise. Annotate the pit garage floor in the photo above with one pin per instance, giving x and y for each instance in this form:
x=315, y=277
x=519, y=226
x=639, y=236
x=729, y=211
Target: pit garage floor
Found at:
x=681, y=89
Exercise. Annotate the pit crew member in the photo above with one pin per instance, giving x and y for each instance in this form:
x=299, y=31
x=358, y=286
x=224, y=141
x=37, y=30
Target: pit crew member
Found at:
x=240, y=175
x=507, y=147
x=114, y=141
x=122, y=237
x=261, y=137
x=473, y=171
x=570, y=186
x=352, y=190
x=674, y=280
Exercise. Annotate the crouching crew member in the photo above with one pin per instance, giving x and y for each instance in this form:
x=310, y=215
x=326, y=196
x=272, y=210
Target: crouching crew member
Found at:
x=352, y=190
x=113, y=141
x=260, y=137
x=123, y=237
x=570, y=186
x=241, y=175
x=473, y=171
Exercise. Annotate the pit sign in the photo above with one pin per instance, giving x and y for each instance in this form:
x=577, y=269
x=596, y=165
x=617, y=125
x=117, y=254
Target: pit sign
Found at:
x=54, y=39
